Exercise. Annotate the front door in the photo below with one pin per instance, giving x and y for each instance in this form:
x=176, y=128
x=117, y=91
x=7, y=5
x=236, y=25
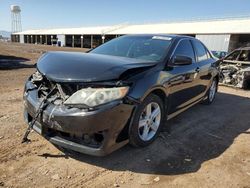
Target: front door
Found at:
x=183, y=85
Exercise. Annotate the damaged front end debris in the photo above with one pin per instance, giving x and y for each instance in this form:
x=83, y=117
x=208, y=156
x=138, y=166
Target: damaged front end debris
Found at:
x=236, y=75
x=41, y=107
x=60, y=117
x=235, y=68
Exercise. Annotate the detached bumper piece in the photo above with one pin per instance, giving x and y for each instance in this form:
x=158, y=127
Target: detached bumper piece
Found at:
x=96, y=132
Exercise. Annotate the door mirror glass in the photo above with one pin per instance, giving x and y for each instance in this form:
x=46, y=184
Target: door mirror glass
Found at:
x=182, y=60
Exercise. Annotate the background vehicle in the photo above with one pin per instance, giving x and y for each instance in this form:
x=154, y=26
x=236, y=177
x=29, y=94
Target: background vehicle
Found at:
x=219, y=54
x=235, y=68
x=122, y=91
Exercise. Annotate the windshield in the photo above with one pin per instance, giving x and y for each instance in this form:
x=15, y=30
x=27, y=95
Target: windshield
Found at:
x=151, y=48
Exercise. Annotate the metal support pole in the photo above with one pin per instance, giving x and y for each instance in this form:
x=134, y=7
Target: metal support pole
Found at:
x=46, y=39
x=91, y=41
x=81, y=41
x=73, y=41
x=51, y=40
x=103, y=39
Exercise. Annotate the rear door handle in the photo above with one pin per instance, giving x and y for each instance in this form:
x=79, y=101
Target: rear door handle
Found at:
x=197, y=69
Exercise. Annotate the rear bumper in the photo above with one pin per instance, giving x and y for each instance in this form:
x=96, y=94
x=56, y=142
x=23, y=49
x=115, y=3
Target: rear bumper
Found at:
x=69, y=127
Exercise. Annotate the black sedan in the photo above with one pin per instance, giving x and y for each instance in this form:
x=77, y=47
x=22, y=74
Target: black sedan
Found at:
x=120, y=92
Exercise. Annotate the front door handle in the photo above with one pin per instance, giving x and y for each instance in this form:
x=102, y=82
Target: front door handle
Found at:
x=197, y=69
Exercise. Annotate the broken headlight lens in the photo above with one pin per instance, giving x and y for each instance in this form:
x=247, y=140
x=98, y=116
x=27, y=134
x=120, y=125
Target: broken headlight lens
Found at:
x=96, y=96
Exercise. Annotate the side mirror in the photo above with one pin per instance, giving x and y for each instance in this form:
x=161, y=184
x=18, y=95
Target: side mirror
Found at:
x=182, y=60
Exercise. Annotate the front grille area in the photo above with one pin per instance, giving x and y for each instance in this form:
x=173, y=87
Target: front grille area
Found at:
x=91, y=140
x=94, y=140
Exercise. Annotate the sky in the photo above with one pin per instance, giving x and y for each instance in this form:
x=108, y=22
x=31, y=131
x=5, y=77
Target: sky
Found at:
x=42, y=14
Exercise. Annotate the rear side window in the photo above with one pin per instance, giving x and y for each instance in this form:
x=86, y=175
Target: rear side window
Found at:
x=233, y=56
x=201, y=52
x=185, y=48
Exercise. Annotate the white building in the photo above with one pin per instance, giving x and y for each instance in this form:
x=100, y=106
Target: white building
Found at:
x=217, y=34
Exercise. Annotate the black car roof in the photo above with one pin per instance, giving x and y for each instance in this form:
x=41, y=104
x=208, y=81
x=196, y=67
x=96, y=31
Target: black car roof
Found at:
x=162, y=35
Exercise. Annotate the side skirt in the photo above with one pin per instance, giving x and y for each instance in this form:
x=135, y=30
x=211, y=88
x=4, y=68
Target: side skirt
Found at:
x=170, y=116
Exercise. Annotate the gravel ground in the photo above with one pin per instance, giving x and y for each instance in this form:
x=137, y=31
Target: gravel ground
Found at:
x=209, y=146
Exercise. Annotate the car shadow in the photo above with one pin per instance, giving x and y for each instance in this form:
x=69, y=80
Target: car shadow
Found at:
x=197, y=135
x=14, y=62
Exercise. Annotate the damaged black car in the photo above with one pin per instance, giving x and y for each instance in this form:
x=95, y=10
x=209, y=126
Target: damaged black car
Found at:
x=235, y=69
x=121, y=92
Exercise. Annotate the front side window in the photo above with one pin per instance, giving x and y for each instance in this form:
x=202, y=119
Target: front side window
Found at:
x=201, y=52
x=185, y=48
x=150, y=48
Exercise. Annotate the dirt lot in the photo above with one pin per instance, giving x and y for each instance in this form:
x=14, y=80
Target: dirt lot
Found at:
x=209, y=146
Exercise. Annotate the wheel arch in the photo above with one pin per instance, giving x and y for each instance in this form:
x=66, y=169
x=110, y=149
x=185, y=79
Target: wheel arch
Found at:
x=158, y=91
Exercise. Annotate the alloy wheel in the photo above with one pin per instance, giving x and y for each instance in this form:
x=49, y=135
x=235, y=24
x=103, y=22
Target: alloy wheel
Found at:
x=212, y=91
x=149, y=122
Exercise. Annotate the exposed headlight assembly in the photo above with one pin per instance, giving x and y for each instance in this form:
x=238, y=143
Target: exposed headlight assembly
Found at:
x=96, y=96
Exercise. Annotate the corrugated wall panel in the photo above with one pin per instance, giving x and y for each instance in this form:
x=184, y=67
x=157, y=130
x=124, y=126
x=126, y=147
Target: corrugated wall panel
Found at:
x=215, y=42
x=61, y=38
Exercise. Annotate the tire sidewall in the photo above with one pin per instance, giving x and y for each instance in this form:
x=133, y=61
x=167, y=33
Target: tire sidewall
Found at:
x=207, y=101
x=216, y=85
x=134, y=137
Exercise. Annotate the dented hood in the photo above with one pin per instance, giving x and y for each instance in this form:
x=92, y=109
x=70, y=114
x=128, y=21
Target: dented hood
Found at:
x=86, y=67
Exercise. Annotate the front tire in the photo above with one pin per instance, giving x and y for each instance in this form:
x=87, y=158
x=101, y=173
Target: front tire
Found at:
x=147, y=121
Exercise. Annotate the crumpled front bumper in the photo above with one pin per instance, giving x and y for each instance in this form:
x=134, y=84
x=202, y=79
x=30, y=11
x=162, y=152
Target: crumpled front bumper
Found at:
x=57, y=121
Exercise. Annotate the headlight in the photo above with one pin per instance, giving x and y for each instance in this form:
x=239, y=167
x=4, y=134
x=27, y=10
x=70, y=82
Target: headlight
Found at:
x=96, y=96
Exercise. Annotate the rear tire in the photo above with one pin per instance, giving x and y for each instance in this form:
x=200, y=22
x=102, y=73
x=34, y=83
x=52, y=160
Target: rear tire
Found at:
x=147, y=121
x=210, y=95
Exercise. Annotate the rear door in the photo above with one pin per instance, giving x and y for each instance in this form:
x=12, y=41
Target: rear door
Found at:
x=204, y=61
